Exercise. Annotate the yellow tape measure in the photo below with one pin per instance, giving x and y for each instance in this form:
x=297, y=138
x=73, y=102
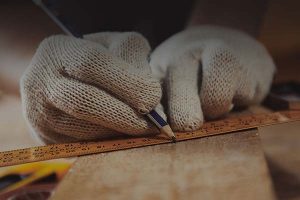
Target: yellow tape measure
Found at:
x=54, y=151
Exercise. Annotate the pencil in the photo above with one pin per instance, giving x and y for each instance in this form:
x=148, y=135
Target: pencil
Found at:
x=161, y=124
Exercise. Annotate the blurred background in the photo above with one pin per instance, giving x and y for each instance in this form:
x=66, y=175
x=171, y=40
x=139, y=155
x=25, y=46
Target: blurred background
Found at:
x=23, y=25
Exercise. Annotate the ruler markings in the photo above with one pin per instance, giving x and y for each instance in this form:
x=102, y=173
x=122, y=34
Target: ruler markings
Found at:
x=54, y=151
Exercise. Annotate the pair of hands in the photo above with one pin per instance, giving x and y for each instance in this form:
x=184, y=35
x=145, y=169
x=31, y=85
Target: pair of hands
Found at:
x=100, y=86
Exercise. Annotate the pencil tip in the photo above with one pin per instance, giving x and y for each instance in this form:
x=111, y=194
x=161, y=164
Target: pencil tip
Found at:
x=174, y=139
x=168, y=132
x=161, y=124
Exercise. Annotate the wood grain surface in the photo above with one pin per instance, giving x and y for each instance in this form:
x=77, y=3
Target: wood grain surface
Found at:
x=224, y=167
x=281, y=146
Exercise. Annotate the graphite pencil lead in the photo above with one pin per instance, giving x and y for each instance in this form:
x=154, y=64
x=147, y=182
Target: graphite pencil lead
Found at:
x=174, y=139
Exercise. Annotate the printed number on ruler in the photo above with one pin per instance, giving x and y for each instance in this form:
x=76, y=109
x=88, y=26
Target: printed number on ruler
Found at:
x=83, y=148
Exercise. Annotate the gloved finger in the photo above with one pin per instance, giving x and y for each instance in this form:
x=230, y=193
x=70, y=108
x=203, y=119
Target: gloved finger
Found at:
x=131, y=47
x=91, y=63
x=185, y=113
x=43, y=115
x=103, y=38
x=91, y=104
x=49, y=136
x=256, y=76
x=34, y=105
x=264, y=72
x=68, y=125
x=245, y=89
x=219, y=81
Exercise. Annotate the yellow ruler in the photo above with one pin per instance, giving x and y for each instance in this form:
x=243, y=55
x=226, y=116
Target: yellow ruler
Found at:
x=54, y=151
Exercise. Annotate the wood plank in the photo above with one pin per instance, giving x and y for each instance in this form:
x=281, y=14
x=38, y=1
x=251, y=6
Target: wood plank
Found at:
x=281, y=146
x=228, y=166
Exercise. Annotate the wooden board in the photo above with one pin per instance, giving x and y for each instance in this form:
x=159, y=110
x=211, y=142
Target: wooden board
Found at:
x=281, y=146
x=228, y=166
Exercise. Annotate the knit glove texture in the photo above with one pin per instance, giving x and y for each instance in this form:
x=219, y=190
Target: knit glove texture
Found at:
x=91, y=88
x=207, y=70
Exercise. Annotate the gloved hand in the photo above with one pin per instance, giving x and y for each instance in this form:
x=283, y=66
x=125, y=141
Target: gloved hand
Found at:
x=207, y=70
x=80, y=89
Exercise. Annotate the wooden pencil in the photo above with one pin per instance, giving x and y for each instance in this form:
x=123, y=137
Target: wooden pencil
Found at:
x=161, y=124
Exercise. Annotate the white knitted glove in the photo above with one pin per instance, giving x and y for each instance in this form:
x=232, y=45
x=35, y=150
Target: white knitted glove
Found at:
x=208, y=70
x=80, y=89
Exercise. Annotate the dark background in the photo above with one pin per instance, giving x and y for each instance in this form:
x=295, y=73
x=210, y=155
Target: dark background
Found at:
x=156, y=20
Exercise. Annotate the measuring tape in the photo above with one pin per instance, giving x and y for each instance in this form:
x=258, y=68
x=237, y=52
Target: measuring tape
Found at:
x=54, y=151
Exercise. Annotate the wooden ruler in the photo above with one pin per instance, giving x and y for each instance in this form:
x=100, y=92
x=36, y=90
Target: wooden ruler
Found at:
x=54, y=151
